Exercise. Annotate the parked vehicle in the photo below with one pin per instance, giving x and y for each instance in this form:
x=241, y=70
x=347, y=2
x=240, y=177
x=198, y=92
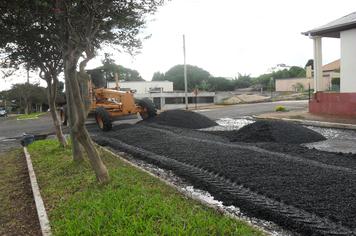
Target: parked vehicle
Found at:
x=3, y=112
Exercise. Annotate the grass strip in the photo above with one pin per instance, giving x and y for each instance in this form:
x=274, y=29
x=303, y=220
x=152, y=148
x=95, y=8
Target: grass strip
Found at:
x=134, y=203
x=18, y=214
x=30, y=116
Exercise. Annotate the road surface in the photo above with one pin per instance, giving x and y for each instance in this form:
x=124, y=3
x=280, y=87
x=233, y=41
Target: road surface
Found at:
x=238, y=111
x=12, y=128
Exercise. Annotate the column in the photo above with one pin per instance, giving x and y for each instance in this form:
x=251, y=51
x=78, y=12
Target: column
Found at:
x=318, y=66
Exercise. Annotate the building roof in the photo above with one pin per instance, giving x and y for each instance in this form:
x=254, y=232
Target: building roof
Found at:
x=332, y=66
x=141, y=81
x=334, y=28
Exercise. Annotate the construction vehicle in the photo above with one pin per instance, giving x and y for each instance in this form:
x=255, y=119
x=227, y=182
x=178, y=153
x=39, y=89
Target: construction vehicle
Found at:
x=108, y=105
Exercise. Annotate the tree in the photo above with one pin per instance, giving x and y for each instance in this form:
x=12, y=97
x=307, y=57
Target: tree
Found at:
x=297, y=72
x=26, y=95
x=220, y=84
x=28, y=40
x=264, y=80
x=242, y=81
x=195, y=76
x=109, y=69
x=78, y=28
x=158, y=76
x=83, y=26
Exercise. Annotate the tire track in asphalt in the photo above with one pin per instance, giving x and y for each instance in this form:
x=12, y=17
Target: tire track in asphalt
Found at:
x=259, y=150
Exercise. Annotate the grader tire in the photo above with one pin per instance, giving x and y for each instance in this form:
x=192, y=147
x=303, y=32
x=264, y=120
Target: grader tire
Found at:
x=103, y=119
x=148, y=107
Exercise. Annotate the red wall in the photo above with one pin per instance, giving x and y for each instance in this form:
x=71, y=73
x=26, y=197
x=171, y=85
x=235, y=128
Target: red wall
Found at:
x=333, y=104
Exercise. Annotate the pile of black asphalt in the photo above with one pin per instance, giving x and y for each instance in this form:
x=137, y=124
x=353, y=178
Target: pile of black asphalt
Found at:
x=272, y=131
x=310, y=192
x=182, y=119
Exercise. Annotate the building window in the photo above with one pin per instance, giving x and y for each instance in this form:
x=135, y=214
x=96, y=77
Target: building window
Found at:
x=191, y=100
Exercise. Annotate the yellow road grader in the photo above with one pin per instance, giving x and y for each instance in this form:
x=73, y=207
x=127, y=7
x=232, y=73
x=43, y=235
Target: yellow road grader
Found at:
x=108, y=104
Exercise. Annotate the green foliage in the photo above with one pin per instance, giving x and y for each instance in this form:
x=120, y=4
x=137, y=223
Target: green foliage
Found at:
x=280, y=108
x=158, y=76
x=243, y=81
x=125, y=74
x=29, y=38
x=201, y=79
x=335, y=81
x=26, y=95
x=133, y=203
x=220, y=84
x=108, y=71
x=264, y=81
x=195, y=76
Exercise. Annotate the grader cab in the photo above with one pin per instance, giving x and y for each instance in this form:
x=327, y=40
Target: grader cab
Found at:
x=107, y=105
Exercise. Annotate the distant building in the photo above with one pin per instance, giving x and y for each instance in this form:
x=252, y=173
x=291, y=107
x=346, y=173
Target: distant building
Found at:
x=163, y=95
x=330, y=72
x=144, y=87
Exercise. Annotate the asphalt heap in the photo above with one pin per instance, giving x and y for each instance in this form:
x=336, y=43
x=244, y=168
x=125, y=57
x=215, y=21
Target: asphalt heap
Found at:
x=182, y=119
x=272, y=131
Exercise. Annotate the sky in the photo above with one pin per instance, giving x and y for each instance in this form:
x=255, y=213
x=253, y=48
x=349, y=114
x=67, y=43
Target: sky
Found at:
x=227, y=37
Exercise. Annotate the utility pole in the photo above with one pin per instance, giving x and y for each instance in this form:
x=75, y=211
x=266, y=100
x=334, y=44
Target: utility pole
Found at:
x=28, y=75
x=185, y=76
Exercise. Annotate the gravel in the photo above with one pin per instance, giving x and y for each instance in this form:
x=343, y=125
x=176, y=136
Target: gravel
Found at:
x=272, y=131
x=324, y=186
x=182, y=119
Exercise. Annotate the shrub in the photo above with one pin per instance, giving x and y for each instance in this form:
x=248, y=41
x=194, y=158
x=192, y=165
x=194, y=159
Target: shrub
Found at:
x=280, y=108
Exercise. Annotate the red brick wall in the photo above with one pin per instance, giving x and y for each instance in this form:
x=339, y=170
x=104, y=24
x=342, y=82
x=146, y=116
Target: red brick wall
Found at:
x=333, y=104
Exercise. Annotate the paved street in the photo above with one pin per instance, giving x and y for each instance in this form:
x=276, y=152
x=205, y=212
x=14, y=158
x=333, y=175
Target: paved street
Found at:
x=12, y=128
x=238, y=111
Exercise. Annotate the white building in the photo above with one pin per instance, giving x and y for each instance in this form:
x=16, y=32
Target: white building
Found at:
x=144, y=87
x=163, y=95
x=343, y=103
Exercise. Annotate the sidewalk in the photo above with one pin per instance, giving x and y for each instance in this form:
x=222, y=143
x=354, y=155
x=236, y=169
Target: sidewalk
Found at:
x=304, y=117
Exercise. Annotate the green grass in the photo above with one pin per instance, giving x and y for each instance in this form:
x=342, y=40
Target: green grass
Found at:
x=134, y=203
x=34, y=115
x=17, y=215
x=8, y=171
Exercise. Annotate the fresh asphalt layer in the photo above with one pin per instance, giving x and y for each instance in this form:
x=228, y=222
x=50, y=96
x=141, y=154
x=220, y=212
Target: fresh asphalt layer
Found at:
x=284, y=184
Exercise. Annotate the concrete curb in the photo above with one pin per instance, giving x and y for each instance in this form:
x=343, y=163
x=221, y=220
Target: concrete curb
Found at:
x=41, y=210
x=312, y=123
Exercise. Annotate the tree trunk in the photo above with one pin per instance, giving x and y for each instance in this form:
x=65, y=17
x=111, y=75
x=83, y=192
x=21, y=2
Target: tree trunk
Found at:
x=51, y=91
x=97, y=164
x=26, y=107
x=79, y=114
x=76, y=149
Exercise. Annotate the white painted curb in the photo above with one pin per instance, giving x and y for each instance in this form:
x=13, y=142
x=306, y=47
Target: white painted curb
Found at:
x=41, y=210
